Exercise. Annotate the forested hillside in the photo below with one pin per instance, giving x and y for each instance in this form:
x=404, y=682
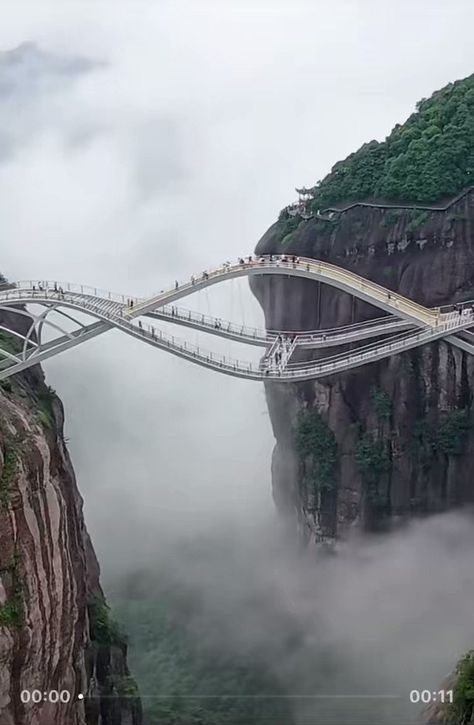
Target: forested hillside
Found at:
x=429, y=157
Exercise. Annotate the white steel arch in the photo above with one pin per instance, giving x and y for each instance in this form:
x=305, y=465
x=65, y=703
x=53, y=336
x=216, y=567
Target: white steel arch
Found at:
x=414, y=324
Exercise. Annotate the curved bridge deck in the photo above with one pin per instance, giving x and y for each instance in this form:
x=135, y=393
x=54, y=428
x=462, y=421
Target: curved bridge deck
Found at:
x=412, y=323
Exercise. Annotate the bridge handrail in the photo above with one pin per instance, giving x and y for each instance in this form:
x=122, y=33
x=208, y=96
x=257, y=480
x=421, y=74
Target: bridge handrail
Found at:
x=351, y=280
x=29, y=289
x=217, y=361
x=48, y=286
x=331, y=362
x=184, y=313
x=391, y=346
x=334, y=272
x=183, y=346
x=171, y=340
x=51, y=286
x=392, y=340
x=187, y=315
x=363, y=282
x=329, y=365
x=303, y=264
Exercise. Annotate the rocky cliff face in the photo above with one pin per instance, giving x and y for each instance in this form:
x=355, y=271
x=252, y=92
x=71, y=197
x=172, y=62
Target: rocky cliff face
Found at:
x=392, y=439
x=55, y=629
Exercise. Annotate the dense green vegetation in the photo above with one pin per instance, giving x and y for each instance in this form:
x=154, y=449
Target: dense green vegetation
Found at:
x=462, y=708
x=373, y=460
x=11, y=611
x=314, y=438
x=288, y=226
x=45, y=411
x=445, y=435
x=10, y=463
x=429, y=157
x=103, y=628
x=382, y=403
x=188, y=680
x=451, y=433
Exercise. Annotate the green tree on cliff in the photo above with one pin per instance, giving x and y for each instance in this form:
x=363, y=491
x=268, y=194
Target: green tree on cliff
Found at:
x=429, y=157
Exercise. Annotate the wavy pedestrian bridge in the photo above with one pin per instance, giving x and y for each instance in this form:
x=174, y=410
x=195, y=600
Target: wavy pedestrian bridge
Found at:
x=407, y=324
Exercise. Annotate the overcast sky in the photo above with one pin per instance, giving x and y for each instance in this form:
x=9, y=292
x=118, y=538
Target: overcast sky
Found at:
x=143, y=141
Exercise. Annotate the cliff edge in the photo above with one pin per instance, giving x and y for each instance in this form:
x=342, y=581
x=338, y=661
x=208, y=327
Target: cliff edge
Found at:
x=395, y=438
x=56, y=633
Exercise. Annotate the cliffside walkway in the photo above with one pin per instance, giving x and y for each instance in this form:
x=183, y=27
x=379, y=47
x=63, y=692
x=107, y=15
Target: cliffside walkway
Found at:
x=332, y=213
x=413, y=323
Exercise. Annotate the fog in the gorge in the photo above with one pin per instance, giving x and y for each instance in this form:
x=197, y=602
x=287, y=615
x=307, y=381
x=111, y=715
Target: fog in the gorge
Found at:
x=143, y=142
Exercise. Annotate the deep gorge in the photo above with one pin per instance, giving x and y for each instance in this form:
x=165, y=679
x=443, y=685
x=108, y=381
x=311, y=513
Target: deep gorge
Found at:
x=373, y=466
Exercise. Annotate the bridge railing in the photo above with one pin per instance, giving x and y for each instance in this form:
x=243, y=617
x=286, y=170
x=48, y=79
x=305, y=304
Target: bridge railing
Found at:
x=295, y=370
x=361, y=350
x=187, y=349
x=455, y=306
x=350, y=279
x=281, y=261
x=319, y=367
x=173, y=312
x=393, y=342
x=363, y=283
x=82, y=289
x=333, y=271
x=393, y=345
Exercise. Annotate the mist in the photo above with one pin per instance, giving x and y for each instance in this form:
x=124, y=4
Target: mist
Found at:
x=144, y=142
x=384, y=616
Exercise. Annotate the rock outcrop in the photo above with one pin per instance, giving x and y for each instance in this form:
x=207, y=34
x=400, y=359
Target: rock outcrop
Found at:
x=55, y=630
x=392, y=439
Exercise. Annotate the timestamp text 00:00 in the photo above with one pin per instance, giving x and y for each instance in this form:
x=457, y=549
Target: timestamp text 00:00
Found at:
x=52, y=696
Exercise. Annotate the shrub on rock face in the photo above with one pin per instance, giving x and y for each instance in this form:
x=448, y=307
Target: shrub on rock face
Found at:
x=462, y=709
x=452, y=431
x=313, y=438
x=103, y=628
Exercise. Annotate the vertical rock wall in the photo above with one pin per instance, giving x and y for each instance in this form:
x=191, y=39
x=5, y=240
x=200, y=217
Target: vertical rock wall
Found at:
x=402, y=427
x=52, y=636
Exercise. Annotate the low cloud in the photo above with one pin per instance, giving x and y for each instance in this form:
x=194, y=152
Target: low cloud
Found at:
x=385, y=616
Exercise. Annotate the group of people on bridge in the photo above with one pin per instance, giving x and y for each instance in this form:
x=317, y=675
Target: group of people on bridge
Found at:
x=244, y=261
x=44, y=287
